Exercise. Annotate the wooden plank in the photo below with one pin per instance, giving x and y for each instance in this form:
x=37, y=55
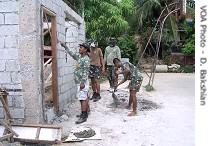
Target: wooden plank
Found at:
x=50, y=134
x=49, y=12
x=54, y=65
x=47, y=62
x=25, y=132
x=6, y=108
x=7, y=127
x=49, y=78
x=37, y=133
x=47, y=48
x=45, y=15
x=48, y=57
x=44, y=33
x=38, y=125
x=48, y=84
x=37, y=142
x=6, y=136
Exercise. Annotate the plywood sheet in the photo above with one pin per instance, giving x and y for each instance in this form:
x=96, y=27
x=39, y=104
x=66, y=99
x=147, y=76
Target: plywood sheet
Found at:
x=1, y=131
x=73, y=138
x=25, y=132
x=50, y=134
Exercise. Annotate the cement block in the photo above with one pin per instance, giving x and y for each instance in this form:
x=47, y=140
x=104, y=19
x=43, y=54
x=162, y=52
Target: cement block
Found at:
x=16, y=78
x=58, y=28
x=70, y=39
x=2, y=65
x=12, y=65
x=61, y=37
x=64, y=88
x=55, y=8
x=32, y=115
x=61, y=72
x=8, y=30
x=17, y=113
x=62, y=22
x=1, y=112
x=10, y=100
x=11, y=18
x=49, y=114
x=66, y=79
x=48, y=4
x=16, y=93
x=5, y=77
x=61, y=55
x=18, y=121
x=161, y=68
x=1, y=18
x=18, y=102
x=13, y=86
x=11, y=42
x=1, y=42
x=8, y=54
x=9, y=6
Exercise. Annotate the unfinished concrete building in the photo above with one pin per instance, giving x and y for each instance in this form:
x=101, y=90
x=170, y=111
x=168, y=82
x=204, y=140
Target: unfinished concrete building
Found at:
x=31, y=58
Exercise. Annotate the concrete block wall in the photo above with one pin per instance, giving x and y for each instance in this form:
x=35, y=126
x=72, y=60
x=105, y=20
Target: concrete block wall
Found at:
x=10, y=71
x=20, y=59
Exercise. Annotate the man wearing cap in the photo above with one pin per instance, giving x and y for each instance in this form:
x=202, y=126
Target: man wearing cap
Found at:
x=111, y=52
x=81, y=78
x=96, y=66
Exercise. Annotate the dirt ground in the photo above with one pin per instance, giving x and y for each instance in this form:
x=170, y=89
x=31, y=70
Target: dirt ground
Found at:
x=165, y=116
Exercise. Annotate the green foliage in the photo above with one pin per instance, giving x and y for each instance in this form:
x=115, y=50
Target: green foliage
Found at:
x=105, y=18
x=128, y=47
x=147, y=13
x=145, y=10
x=77, y=5
x=189, y=47
x=149, y=88
x=187, y=69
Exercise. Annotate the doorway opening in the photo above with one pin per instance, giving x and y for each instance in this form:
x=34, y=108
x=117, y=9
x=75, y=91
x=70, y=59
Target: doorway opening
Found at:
x=49, y=60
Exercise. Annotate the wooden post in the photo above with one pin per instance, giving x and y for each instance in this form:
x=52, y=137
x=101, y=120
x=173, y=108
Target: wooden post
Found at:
x=54, y=64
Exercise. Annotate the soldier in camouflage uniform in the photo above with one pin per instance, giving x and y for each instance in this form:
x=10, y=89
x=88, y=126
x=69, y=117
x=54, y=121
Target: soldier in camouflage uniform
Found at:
x=132, y=73
x=81, y=78
x=111, y=52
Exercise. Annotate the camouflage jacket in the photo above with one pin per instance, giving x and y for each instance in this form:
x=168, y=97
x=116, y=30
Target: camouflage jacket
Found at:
x=134, y=71
x=81, y=71
x=111, y=53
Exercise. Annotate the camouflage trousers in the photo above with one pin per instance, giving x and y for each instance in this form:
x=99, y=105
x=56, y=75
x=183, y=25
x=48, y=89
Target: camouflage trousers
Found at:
x=112, y=76
x=135, y=84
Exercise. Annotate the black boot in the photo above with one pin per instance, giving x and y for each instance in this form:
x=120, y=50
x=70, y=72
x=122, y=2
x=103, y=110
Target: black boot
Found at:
x=83, y=118
x=79, y=115
x=98, y=97
x=93, y=96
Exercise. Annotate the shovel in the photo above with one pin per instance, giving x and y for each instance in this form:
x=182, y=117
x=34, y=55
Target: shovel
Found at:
x=115, y=99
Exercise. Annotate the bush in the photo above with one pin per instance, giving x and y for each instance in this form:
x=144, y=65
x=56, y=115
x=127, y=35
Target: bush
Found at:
x=189, y=47
x=187, y=69
x=149, y=88
x=128, y=47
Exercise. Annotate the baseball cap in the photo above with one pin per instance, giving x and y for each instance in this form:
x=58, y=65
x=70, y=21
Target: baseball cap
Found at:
x=86, y=46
